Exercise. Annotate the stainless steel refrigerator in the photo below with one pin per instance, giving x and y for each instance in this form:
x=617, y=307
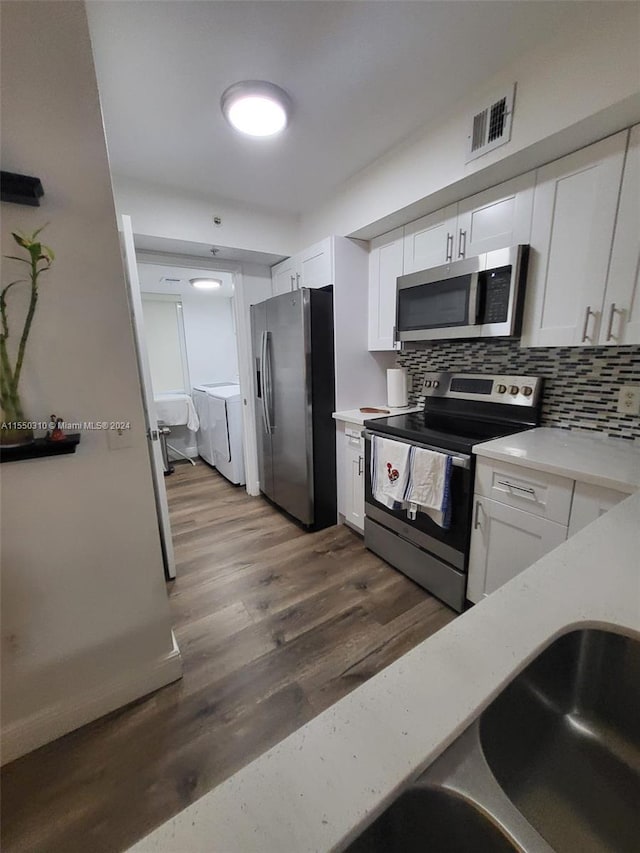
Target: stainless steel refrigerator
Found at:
x=294, y=388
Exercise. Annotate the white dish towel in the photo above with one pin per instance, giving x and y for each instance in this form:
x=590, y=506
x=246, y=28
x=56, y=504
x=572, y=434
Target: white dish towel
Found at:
x=389, y=471
x=429, y=485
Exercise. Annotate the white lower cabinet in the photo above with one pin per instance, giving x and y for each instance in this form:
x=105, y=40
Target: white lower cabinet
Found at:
x=352, y=474
x=504, y=542
x=589, y=503
x=529, y=513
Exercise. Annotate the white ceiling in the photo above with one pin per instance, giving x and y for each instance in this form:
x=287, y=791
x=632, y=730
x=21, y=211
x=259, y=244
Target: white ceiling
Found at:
x=362, y=76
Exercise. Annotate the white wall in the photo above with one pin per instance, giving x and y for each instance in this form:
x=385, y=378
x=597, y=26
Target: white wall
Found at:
x=85, y=617
x=209, y=326
x=165, y=212
x=563, y=82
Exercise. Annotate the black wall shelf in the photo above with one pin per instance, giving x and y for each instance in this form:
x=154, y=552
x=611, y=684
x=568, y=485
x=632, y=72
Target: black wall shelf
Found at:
x=20, y=189
x=40, y=448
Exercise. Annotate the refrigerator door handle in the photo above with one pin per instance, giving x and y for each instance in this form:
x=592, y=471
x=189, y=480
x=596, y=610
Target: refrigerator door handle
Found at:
x=268, y=395
x=263, y=382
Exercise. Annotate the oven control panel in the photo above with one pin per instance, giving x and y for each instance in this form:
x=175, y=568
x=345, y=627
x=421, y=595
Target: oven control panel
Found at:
x=507, y=389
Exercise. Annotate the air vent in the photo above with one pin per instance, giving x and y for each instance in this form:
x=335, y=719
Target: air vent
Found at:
x=491, y=126
x=168, y=280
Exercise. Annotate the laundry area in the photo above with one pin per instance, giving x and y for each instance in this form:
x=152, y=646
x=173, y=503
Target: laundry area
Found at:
x=190, y=340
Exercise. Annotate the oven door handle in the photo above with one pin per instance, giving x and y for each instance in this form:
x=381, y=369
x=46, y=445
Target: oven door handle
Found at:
x=458, y=460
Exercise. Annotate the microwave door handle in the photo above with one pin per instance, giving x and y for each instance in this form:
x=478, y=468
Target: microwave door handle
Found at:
x=474, y=295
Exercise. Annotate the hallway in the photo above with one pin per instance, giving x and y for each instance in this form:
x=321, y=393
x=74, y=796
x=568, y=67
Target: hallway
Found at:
x=274, y=625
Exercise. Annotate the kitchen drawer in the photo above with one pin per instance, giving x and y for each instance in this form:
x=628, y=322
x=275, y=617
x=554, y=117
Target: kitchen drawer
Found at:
x=536, y=492
x=353, y=435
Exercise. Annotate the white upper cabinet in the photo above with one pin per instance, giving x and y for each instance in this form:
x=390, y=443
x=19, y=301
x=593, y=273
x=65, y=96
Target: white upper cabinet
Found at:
x=314, y=267
x=385, y=265
x=311, y=268
x=621, y=308
x=495, y=218
x=574, y=214
x=283, y=277
x=429, y=241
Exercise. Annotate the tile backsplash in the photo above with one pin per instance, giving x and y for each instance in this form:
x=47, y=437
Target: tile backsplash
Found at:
x=581, y=383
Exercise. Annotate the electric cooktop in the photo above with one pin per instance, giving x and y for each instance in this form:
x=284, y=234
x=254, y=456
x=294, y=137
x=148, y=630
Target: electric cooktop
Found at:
x=462, y=410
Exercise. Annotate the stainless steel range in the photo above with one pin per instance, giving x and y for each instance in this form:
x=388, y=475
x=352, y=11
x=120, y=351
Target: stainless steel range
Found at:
x=460, y=410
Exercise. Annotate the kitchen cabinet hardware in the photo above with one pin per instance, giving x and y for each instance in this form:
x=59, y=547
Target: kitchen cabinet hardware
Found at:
x=509, y=485
x=449, y=246
x=612, y=314
x=585, y=328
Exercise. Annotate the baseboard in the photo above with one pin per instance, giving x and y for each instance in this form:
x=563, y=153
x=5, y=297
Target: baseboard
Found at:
x=50, y=723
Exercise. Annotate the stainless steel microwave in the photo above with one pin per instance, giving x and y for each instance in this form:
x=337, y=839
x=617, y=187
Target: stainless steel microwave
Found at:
x=478, y=297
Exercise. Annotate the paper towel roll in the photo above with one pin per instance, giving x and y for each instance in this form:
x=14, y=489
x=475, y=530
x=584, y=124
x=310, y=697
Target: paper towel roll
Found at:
x=397, y=395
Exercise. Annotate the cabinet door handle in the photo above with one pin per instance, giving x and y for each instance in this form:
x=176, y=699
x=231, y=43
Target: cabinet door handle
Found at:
x=589, y=313
x=449, y=247
x=293, y=282
x=509, y=485
x=476, y=519
x=612, y=314
x=359, y=466
x=297, y=281
x=462, y=243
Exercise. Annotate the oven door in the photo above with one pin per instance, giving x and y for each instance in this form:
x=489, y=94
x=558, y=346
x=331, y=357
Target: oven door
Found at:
x=452, y=545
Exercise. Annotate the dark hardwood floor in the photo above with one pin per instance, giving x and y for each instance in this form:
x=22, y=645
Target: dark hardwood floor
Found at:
x=274, y=625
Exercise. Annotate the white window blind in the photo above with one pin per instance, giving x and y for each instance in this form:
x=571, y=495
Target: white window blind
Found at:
x=164, y=333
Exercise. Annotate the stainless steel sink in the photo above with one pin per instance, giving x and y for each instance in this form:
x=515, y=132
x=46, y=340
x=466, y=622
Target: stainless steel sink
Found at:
x=553, y=764
x=428, y=820
x=563, y=741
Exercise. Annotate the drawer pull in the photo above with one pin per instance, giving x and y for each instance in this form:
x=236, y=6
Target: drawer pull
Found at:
x=509, y=485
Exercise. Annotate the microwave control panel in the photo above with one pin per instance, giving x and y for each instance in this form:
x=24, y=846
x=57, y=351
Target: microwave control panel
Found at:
x=494, y=286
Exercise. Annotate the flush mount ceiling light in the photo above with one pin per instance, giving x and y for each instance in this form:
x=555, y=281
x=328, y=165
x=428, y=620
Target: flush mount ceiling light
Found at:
x=205, y=283
x=256, y=107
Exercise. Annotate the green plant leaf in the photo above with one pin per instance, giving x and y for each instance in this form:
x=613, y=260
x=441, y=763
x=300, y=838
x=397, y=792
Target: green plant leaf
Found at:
x=49, y=252
x=20, y=240
x=16, y=258
x=35, y=233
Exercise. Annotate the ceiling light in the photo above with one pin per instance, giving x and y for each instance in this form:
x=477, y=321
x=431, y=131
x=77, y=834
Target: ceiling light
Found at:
x=256, y=107
x=205, y=283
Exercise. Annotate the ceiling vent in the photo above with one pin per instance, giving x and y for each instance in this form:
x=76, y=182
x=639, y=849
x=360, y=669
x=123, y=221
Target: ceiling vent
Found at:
x=165, y=279
x=491, y=126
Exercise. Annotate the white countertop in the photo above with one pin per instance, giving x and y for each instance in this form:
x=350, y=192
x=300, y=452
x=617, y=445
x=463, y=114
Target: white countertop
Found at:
x=610, y=462
x=316, y=789
x=355, y=416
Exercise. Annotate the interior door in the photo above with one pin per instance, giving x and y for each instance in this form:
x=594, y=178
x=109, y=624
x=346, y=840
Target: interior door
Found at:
x=289, y=396
x=155, y=452
x=263, y=430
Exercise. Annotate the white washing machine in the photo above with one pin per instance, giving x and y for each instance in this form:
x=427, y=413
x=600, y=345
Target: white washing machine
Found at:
x=219, y=408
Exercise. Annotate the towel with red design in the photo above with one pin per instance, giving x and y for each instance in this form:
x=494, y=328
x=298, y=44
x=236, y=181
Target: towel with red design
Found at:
x=389, y=471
